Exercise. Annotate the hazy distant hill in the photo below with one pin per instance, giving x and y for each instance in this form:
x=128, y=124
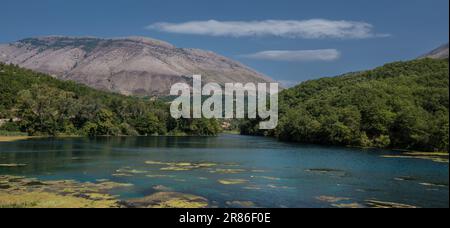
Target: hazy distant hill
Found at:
x=439, y=53
x=131, y=66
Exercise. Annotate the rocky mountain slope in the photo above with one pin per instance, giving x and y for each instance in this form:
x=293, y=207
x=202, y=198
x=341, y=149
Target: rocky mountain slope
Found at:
x=439, y=53
x=131, y=66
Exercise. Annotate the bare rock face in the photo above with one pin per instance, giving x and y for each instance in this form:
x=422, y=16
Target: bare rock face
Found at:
x=131, y=66
x=439, y=53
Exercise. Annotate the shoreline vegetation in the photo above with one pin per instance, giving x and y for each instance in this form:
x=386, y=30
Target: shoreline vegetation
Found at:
x=39, y=105
x=401, y=105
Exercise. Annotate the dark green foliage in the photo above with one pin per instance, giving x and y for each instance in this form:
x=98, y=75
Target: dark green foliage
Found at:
x=47, y=106
x=400, y=105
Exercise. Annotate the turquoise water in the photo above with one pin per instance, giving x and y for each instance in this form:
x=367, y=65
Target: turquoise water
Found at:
x=276, y=174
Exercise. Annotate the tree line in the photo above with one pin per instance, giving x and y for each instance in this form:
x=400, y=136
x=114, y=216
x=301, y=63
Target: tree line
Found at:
x=47, y=106
x=403, y=105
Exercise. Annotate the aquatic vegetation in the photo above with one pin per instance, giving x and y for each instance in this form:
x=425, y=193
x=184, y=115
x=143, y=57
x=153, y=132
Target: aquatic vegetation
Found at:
x=232, y=164
x=175, y=168
x=258, y=171
x=381, y=204
x=332, y=172
x=268, y=178
x=440, y=157
x=427, y=153
x=339, y=202
x=279, y=187
x=324, y=170
x=253, y=188
x=157, y=163
x=160, y=176
x=50, y=200
x=241, y=204
x=168, y=200
x=331, y=199
x=228, y=171
x=121, y=175
x=405, y=178
x=427, y=184
x=29, y=192
x=434, y=185
x=232, y=181
x=12, y=165
x=348, y=205
x=181, y=166
x=130, y=171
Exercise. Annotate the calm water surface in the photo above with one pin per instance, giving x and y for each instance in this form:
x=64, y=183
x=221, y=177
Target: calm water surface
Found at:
x=277, y=174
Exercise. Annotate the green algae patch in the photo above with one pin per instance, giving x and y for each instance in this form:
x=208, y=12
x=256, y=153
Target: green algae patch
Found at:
x=160, y=176
x=181, y=166
x=348, y=205
x=21, y=192
x=241, y=204
x=324, y=170
x=130, y=171
x=175, y=168
x=269, y=178
x=331, y=172
x=331, y=199
x=382, y=204
x=228, y=171
x=279, y=187
x=339, y=202
x=232, y=181
x=169, y=200
x=406, y=178
x=427, y=153
x=50, y=200
x=258, y=171
x=439, y=157
x=252, y=187
x=440, y=185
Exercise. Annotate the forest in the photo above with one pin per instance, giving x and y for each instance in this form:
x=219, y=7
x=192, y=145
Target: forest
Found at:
x=39, y=105
x=402, y=105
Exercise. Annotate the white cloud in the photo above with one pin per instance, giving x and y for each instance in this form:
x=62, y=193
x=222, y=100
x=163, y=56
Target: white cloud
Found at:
x=307, y=29
x=297, y=56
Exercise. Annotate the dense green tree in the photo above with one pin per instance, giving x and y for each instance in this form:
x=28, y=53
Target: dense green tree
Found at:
x=47, y=106
x=400, y=105
x=150, y=124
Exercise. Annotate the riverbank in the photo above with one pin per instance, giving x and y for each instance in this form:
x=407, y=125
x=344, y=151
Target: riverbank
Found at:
x=13, y=138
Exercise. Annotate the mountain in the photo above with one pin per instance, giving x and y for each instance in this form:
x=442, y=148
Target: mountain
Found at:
x=130, y=66
x=439, y=53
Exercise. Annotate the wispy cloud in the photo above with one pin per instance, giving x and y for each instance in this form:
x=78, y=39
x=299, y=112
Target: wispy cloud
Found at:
x=307, y=29
x=297, y=55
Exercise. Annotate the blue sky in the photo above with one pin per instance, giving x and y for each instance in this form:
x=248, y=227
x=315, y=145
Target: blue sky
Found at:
x=289, y=40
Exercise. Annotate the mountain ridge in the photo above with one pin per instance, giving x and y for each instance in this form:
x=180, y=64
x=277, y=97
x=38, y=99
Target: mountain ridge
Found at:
x=438, y=53
x=128, y=65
